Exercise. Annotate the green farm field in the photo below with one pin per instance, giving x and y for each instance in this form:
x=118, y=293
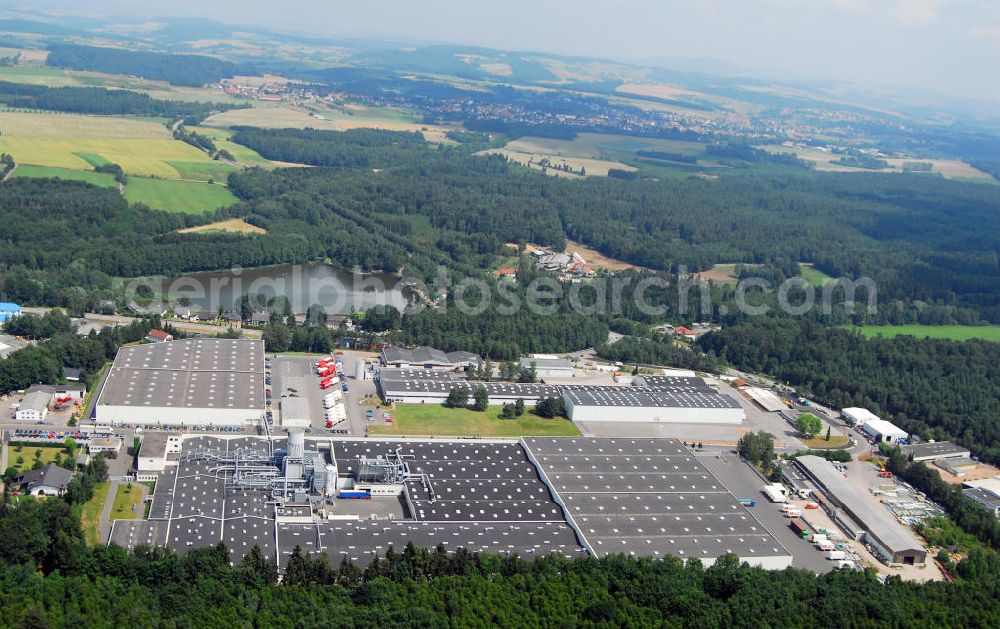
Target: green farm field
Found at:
x=953, y=332
x=813, y=275
x=77, y=142
x=243, y=154
x=178, y=196
x=103, y=180
x=437, y=420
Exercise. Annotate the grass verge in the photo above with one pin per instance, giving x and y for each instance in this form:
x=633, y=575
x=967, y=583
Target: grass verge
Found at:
x=90, y=515
x=126, y=504
x=437, y=420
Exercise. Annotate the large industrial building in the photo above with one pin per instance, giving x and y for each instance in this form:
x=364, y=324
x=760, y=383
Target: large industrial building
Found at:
x=532, y=497
x=884, y=431
x=547, y=366
x=631, y=404
x=427, y=358
x=189, y=382
x=859, y=514
x=649, y=497
x=857, y=416
x=671, y=399
x=935, y=450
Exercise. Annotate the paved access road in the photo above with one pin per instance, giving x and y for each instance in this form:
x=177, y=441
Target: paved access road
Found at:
x=741, y=480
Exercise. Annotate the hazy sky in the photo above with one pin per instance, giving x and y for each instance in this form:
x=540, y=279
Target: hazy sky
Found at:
x=944, y=46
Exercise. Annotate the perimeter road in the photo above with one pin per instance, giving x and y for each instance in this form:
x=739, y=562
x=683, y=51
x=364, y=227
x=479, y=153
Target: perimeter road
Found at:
x=741, y=480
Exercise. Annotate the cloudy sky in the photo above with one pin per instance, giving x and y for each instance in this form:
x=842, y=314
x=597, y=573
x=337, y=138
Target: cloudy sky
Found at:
x=939, y=46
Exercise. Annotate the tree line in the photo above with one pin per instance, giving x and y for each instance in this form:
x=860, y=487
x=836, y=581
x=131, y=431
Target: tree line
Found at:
x=100, y=101
x=187, y=70
x=49, y=577
x=936, y=388
x=43, y=362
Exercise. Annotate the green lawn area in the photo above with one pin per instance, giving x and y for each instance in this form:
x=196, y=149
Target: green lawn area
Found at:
x=126, y=498
x=953, y=332
x=90, y=514
x=813, y=275
x=437, y=420
x=178, y=196
x=93, y=159
x=103, y=180
x=28, y=454
x=819, y=443
x=203, y=171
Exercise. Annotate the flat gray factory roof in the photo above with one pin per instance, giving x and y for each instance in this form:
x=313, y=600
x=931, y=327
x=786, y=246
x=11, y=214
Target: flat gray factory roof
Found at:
x=36, y=401
x=546, y=363
x=648, y=497
x=393, y=385
x=489, y=499
x=294, y=408
x=360, y=541
x=938, y=449
x=428, y=356
x=154, y=444
x=473, y=481
x=644, y=398
x=863, y=509
x=989, y=499
x=673, y=382
x=391, y=373
x=188, y=373
x=642, y=496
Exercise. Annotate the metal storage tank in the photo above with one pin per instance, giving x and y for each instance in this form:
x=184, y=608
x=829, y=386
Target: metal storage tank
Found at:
x=359, y=370
x=331, y=481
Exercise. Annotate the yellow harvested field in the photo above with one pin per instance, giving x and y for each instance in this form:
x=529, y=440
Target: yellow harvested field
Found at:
x=232, y=225
x=62, y=140
x=78, y=126
x=948, y=168
x=294, y=118
x=499, y=69
x=598, y=260
x=656, y=90
x=32, y=55
x=597, y=145
x=594, y=167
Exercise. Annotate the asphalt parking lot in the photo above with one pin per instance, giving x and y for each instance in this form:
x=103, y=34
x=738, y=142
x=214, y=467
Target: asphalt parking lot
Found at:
x=743, y=482
x=296, y=375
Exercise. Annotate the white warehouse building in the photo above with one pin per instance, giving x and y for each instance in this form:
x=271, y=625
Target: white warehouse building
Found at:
x=858, y=416
x=188, y=382
x=884, y=431
x=633, y=404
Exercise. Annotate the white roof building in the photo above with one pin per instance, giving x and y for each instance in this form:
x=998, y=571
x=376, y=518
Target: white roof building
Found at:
x=884, y=431
x=859, y=416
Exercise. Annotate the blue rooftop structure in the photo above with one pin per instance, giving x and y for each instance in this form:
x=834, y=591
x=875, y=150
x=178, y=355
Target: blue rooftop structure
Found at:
x=8, y=311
